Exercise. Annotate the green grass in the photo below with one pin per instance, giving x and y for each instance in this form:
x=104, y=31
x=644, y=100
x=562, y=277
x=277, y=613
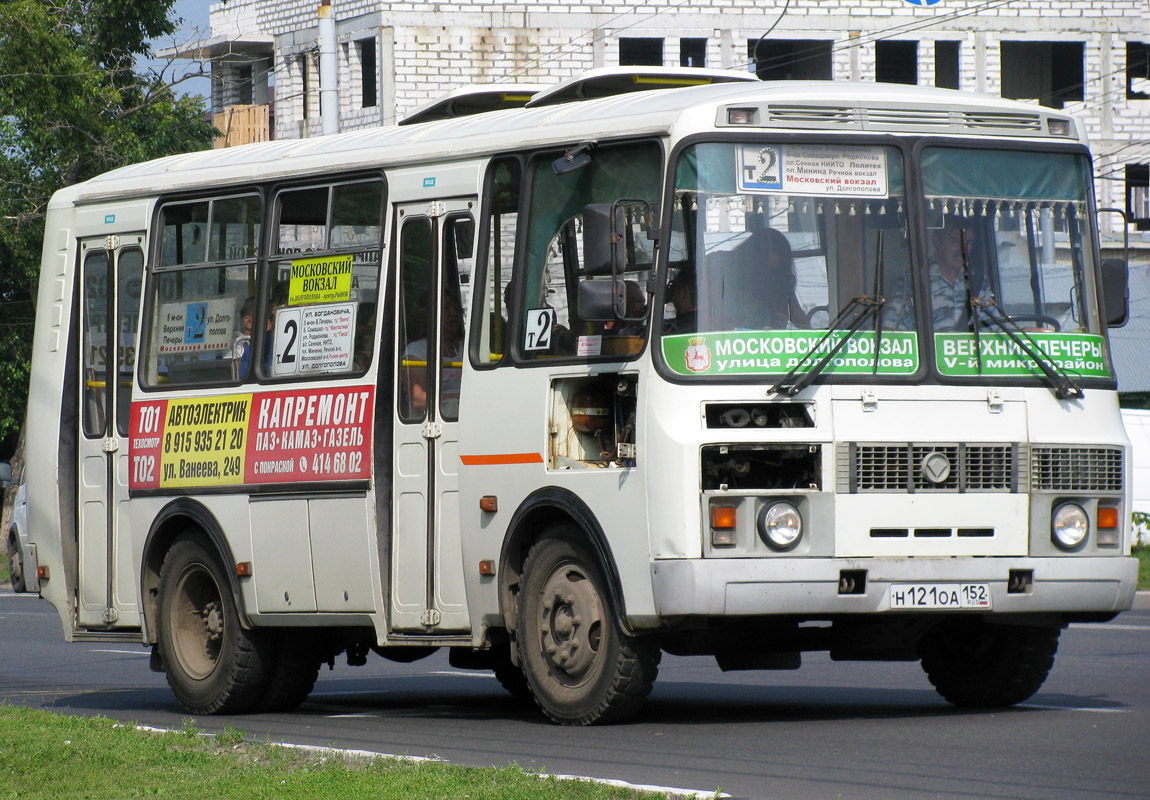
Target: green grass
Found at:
x=45, y=755
x=1143, y=553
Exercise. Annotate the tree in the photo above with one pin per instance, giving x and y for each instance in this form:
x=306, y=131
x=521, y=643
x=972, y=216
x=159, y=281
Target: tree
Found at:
x=72, y=105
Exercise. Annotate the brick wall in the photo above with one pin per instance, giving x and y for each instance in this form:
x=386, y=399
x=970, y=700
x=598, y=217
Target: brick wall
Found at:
x=427, y=49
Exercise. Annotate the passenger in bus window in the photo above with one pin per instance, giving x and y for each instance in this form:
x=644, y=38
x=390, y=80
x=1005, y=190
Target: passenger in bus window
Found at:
x=683, y=295
x=242, y=347
x=451, y=354
x=782, y=305
x=949, y=300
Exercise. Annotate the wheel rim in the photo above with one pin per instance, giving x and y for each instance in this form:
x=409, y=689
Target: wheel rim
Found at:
x=571, y=624
x=197, y=622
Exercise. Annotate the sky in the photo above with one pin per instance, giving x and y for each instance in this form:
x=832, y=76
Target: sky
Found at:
x=195, y=26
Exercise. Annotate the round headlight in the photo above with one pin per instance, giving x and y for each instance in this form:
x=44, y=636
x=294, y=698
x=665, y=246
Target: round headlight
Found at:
x=1069, y=526
x=780, y=526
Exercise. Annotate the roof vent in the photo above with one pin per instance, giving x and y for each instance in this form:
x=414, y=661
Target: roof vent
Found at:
x=610, y=81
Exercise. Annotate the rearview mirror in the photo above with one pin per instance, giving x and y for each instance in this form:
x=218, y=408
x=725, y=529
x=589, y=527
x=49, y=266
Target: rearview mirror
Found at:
x=1115, y=292
x=602, y=244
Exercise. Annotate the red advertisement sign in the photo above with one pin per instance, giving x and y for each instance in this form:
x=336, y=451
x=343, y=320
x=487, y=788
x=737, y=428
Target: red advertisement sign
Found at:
x=274, y=437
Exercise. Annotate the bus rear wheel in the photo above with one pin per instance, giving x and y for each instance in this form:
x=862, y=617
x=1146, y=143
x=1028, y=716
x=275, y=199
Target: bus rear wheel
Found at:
x=973, y=664
x=212, y=664
x=293, y=673
x=580, y=666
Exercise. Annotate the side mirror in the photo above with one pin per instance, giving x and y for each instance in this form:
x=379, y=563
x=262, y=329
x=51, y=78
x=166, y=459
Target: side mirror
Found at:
x=5, y=474
x=599, y=299
x=602, y=240
x=603, y=301
x=1115, y=292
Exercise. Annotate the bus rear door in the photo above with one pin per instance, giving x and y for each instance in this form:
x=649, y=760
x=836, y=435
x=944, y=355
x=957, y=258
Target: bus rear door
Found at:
x=111, y=274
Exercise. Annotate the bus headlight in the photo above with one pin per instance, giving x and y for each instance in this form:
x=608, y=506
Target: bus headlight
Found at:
x=780, y=526
x=1069, y=526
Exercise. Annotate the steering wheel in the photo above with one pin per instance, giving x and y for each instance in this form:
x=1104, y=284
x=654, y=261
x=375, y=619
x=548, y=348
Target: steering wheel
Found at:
x=821, y=324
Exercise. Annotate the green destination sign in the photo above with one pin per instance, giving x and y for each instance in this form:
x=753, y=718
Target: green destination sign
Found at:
x=1080, y=354
x=777, y=352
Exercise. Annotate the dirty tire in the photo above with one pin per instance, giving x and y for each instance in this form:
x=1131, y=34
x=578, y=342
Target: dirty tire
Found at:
x=16, y=564
x=510, y=675
x=212, y=664
x=580, y=667
x=294, y=669
x=973, y=664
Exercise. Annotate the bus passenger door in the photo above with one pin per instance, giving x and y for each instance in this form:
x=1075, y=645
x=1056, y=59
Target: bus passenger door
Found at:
x=111, y=274
x=436, y=245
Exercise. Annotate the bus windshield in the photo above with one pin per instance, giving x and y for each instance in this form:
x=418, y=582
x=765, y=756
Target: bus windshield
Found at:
x=775, y=244
x=1009, y=249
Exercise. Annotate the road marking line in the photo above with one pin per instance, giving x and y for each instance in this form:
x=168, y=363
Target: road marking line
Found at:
x=123, y=652
x=1074, y=708
x=1109, y=626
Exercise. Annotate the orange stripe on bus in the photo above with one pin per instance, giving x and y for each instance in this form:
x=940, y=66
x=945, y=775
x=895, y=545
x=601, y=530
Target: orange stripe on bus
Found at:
x=502, y=458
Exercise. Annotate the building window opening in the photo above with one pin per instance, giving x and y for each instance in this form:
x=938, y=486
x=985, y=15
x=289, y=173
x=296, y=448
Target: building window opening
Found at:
x=791, y=59
x=640, y=52
x=693, y=52
x=1138, y=195
x=946, y=64
x=1137, y=71
x=367, y=72
x=896, y=62
x=1049, y=72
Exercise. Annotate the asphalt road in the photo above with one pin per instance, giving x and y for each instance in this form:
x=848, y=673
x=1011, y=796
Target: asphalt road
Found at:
x=828, y=730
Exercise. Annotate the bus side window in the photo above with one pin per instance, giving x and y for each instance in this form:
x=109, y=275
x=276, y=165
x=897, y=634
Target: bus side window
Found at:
x=204, y=271
x=553, y=262
x=493, y=299
x=324, y=285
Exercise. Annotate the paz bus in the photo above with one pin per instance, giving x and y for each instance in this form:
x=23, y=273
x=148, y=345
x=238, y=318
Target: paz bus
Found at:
x=657, y=362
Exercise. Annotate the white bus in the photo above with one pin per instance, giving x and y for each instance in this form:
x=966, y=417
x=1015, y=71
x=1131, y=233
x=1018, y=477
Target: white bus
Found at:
x=731, y=368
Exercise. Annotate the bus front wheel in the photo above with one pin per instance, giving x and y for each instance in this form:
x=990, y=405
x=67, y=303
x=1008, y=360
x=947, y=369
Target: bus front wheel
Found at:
x=974, y=664
x=212, y=664
x=580, y=666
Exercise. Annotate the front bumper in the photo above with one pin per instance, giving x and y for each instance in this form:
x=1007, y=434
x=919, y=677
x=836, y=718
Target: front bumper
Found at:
x=810, y=586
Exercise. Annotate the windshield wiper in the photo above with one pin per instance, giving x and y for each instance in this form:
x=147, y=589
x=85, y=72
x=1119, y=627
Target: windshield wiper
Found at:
x=1061, y=381
x=1065, y=388
x=858, y=310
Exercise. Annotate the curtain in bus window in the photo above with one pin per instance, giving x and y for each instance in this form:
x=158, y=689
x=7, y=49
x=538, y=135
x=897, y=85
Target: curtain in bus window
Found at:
x=551, y=325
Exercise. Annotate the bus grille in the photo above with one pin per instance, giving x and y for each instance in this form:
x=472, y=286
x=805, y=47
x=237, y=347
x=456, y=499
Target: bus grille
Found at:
x=1076, y=469
x=958, y=467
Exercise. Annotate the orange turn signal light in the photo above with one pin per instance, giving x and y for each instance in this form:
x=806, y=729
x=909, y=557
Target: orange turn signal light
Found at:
x=1107, y=518
x=488, y=503
x=244, y=569
x=486, y=567
x=723, y=517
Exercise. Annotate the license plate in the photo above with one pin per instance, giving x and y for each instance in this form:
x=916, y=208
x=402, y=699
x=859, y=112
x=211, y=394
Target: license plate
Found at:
x=939, y=595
